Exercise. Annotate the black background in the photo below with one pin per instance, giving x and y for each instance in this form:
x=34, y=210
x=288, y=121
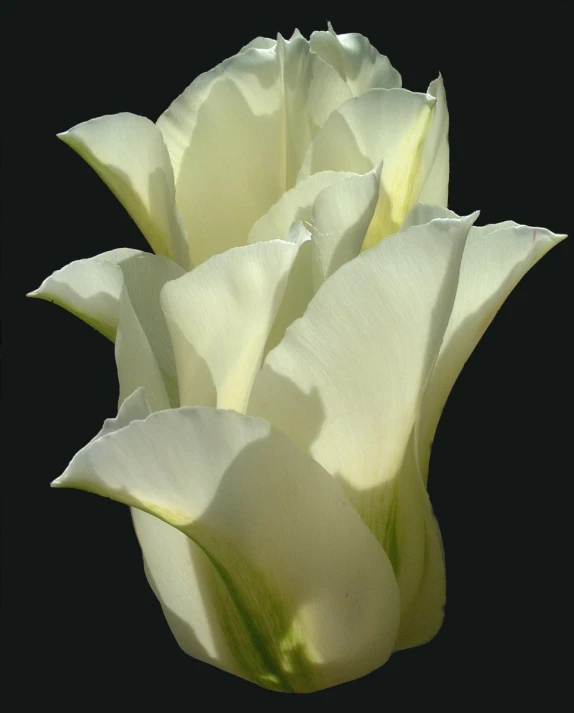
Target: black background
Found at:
x=81, y=627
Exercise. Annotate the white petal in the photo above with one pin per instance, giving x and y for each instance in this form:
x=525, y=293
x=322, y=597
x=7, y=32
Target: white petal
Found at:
x=237, y=136
x=342, y=215
x=129, y=155
x=395, y=126
x=259, y=43
x=306, y=596
x=431, y=183
x=495, y=259
x=356, y=60
x=294, y=205
x=90, y=289
x=346, y=383
x=177, y=570
x=182, y=578
x=421, y=214
x=220, y=315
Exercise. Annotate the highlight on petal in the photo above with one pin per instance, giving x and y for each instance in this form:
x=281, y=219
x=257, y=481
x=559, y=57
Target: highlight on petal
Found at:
x=90, y=289
x=346, y=382
x=220, y=316
x=304, y=595
x=129, y=155
x=356, y=60
x=495, y=259
x=240, y=132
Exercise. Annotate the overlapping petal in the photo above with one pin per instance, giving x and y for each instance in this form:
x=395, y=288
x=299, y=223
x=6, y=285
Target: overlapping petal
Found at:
x=220, y=316
x=356, y=60
x=406, y=131
x=347, y=380
x=237, y=136
x=305, y=595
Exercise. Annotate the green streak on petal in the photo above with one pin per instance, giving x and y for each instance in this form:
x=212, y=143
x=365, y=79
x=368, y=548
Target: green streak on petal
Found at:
x=256, y=619
x=259, y=622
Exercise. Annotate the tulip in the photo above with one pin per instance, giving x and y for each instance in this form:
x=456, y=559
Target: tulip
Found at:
x=279, y=400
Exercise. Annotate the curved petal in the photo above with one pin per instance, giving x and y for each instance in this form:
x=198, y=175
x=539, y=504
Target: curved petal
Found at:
x=144, y=354
x=495, y=259
x=405, y=131
x=240, y=132
x=220, y=316
x=342, y=215
x=90, y=289
x=347, y=380
x=177, y=570
x=129, y=155
x=356, y=60
x=306, y=596
x=431, y=182
x=296, y=204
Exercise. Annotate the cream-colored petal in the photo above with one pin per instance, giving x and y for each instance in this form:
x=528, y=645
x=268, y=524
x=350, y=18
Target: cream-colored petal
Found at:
x=346, y=383
x=177, y=570
x=220, y=316
x=431, y=182
x=296, y=205
x=342, y=214
x=237, y=136
x=305, y=595
x=144, y=354
x=129, y=155
x=494, y=261
x=90, y=289
x=406, y=131
x=356, y=60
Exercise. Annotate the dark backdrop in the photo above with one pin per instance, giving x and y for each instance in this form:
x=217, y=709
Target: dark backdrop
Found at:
x=81, y=625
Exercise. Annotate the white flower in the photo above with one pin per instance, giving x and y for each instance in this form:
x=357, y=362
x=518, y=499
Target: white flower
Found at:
x=279, y=400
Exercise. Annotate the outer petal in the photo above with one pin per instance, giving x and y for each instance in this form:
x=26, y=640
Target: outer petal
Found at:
x=178, y=571
x=240, y=131
x=405, y=131
x=90, y=289
x=356, y=60
x=220, y=316
x=346, y=383
x=306, y=596
x=129, y=155
x=496, y=257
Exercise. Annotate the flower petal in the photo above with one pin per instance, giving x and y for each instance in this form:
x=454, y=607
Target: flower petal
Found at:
x=347, y=380
x=176, y=569
x=129, y=155
x=220, y=316
x=405, y=130
x=90, y=289
x=495, y=259
x=356, y=60
x=237, y=136
x=296, y=204
x=144, y=354
x=342, y=215
x=306, y=596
